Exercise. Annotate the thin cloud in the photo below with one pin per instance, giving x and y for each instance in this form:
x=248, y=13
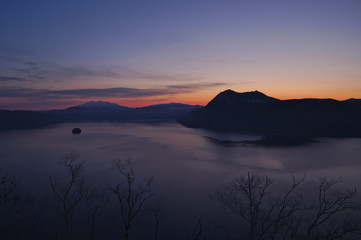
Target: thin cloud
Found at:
x=82, y=93
x=124, y=73
x=119, y=92
x=18, y=92
x=10, y=78
x=48, y=98
x=195, y=86
x=108, y=92
x=32, y=71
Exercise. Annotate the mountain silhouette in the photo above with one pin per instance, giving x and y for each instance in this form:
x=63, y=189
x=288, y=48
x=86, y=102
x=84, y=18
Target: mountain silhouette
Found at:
x=231, y=99
x=97, y=105
x=257, y=113
x=106, y=111
x=93, y=111
x=25, y=119
x=354, y=101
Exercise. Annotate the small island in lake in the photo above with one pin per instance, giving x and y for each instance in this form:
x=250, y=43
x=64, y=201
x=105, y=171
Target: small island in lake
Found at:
x=76, y=131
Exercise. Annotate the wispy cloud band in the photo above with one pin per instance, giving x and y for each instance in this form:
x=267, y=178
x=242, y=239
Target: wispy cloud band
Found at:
x=37, y=70
x=10, y=78
x=119, y=92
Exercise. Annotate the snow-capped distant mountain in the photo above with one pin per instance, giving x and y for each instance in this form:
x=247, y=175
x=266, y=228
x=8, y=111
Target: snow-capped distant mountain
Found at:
x=98, y=105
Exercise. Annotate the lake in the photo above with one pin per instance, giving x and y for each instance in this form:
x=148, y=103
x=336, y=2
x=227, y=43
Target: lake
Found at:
x=187, y=164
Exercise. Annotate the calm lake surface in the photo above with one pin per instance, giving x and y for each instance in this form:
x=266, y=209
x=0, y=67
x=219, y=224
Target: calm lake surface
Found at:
x=188, y=164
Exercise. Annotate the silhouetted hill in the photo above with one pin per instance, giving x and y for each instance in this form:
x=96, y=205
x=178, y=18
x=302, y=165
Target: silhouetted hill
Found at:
x=256, y=113
x=230, y=99
x=354, y=101
x=97, y=106
x=161, y=112
x=25, y=119
x=93, y=111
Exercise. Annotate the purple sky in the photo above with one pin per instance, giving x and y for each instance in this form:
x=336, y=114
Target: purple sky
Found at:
x=55, y=54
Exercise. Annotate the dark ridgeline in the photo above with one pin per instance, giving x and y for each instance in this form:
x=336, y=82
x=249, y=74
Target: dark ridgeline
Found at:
x=283, y=121
x=25, y=119
x=354, y=101
x=160, y=112
x=97, y=105
x=93, y=111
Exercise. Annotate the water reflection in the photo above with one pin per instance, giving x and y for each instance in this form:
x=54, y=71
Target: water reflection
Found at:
x=188, y=164
x=168, y=150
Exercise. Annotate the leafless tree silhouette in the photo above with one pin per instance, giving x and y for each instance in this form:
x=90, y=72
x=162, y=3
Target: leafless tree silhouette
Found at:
x=134, y=198
x=8, y=188
x=69, y=194
x=289, y=215
x=95, y=201
x=327, y=221
x=158, y=216
x=9, y=195
x=197, y=231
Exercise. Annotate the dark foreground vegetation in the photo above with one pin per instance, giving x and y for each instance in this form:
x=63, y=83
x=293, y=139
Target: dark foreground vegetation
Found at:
x=255, y=207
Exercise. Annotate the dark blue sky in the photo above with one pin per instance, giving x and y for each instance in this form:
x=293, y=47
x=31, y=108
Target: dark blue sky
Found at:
x=180, y=51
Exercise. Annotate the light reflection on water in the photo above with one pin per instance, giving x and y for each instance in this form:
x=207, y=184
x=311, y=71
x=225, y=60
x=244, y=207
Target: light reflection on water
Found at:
x=169, y=151
x=188, y=164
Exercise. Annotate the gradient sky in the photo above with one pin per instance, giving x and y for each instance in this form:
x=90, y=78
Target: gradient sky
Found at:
x=55, y=54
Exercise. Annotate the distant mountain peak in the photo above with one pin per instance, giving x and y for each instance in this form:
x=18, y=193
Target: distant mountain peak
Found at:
x=228, y=91
x=98, y=105
x=230, y=98
x=250, y=94
x=353, y=100
x=280, y=121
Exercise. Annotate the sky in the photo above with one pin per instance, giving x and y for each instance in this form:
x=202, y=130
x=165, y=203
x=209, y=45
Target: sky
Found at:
x=56, y=54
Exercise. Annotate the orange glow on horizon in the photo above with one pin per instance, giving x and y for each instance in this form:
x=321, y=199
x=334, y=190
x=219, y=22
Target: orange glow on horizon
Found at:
x=337, y=95
x=195, y=98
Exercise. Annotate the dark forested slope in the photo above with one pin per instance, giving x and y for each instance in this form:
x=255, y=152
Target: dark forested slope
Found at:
x=254, y=112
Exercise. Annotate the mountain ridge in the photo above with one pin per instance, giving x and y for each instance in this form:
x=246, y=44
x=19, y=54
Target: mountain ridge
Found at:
x=249, y=112
x=229, y=98
x=98, y=105
x=94, y=111
x=260, y=114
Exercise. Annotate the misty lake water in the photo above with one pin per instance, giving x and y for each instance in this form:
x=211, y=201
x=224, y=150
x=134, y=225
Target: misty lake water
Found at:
x=188, y=164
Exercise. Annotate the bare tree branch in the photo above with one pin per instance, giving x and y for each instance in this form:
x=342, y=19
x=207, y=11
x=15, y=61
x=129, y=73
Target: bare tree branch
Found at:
x=134, y=200
x=289, y=216
x=8, y=188
x=69, y=194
